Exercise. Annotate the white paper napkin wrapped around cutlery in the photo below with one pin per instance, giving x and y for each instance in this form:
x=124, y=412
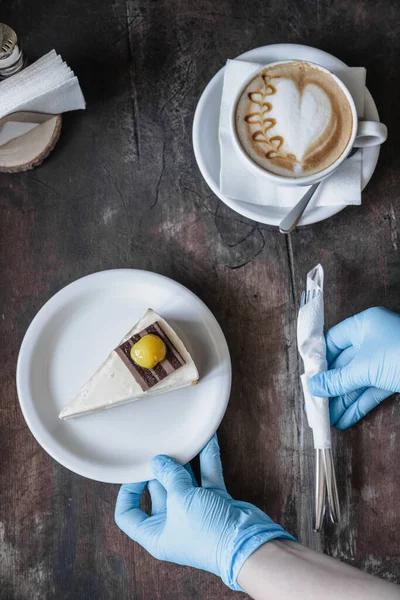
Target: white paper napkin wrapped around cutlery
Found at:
x=236, y=181
x=47, y=86
x=312, y=349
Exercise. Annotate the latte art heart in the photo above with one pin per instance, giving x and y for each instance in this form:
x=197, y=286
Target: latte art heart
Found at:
x=293, y=119
x=301, y=116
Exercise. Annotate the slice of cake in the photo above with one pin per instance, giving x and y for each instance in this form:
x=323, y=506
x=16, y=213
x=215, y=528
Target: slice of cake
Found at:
x=150, y=359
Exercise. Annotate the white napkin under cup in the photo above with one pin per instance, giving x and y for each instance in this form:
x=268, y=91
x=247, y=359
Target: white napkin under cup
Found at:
x=343, y=187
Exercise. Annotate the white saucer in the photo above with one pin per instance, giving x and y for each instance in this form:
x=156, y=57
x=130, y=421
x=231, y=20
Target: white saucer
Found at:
x=68, y=340
x=206, y=144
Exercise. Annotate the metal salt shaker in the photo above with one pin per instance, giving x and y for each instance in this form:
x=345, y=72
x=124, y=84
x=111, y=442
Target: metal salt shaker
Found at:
x=12, y=58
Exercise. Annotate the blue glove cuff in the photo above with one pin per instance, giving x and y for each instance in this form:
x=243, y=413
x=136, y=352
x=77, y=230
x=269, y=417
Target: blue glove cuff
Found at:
x=247, y=542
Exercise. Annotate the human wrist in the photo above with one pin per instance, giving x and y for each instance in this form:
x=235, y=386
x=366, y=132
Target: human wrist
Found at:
x=243, y=545
x=285, y=570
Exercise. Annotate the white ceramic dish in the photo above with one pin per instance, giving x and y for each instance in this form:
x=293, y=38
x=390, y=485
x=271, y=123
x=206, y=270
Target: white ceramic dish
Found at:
x=71, y=336
x=206, y=144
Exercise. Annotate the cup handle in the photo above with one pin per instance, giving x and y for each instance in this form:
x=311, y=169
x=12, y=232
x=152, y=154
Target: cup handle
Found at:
x=370, y=133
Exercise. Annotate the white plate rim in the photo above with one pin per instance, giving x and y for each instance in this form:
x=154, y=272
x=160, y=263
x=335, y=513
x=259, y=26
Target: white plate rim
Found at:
x=313, y=214
x=35, y=329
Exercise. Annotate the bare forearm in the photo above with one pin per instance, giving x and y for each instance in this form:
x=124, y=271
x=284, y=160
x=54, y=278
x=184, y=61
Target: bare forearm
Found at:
x=286, y=570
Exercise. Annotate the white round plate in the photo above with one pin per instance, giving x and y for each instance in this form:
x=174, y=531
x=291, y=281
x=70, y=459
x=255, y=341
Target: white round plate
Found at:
x=68, y=340
x=206, y=144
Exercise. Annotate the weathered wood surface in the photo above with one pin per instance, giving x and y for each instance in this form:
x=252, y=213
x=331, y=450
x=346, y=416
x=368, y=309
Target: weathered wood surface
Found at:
x=122, y=189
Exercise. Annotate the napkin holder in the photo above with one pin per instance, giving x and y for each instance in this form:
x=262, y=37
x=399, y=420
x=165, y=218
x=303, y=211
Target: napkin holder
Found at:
x=29, y=150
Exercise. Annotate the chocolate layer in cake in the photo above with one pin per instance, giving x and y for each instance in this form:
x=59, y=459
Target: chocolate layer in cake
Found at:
x=146, y=378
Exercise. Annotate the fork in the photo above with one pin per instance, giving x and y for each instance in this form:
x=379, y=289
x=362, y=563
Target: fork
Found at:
x=325, y=478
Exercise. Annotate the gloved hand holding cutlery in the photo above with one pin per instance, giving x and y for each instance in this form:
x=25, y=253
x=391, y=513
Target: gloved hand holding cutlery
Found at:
x=363, y=354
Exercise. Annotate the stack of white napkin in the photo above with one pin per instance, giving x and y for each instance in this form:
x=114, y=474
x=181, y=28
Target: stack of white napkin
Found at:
x=236, y=181
x=46, y=86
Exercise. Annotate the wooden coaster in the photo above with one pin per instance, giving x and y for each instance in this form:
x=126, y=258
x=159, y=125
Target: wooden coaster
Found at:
x=30, y=150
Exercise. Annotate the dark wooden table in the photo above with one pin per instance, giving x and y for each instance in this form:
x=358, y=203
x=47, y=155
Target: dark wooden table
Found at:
x=122, y=189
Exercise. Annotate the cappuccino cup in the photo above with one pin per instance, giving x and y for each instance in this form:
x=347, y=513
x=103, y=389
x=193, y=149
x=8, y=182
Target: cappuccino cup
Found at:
x=294, y=123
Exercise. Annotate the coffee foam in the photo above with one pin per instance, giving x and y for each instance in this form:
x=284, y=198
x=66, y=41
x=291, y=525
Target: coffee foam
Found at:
x=294, y=119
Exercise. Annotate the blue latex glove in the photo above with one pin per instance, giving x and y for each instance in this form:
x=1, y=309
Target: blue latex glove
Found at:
x=363, y=354
x=201, y=527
